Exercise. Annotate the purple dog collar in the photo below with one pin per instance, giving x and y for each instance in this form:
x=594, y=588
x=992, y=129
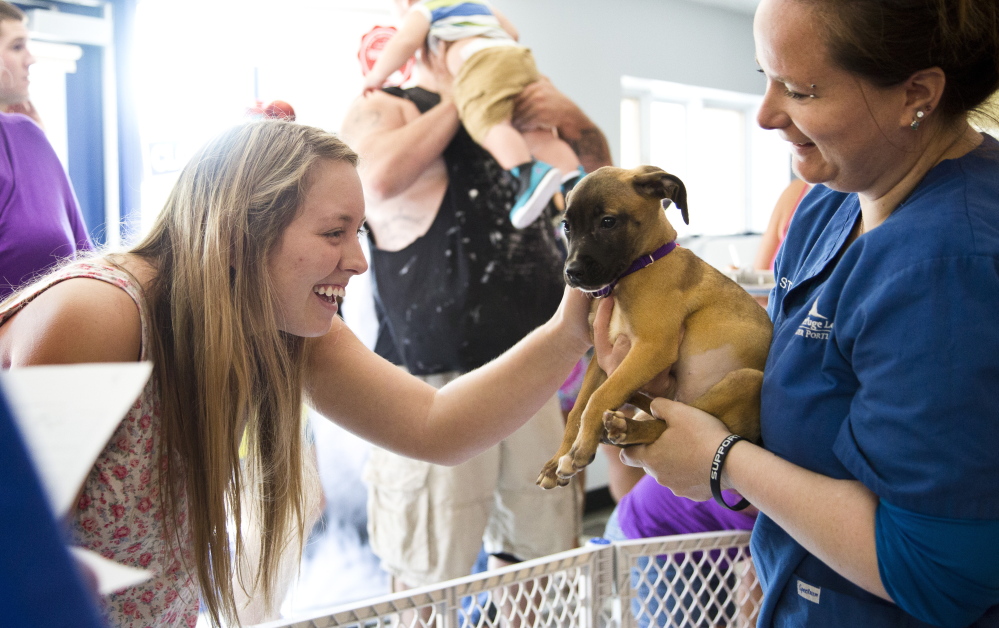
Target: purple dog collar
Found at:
x=637, y=265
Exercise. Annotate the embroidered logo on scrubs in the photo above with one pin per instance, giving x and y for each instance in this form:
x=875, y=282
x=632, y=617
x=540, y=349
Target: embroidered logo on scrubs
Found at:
x=815, y=325
x=809, y=592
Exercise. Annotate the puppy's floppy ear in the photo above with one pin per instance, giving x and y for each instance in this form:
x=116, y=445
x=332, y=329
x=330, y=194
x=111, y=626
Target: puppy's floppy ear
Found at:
x=677, y=192
x=657, y=183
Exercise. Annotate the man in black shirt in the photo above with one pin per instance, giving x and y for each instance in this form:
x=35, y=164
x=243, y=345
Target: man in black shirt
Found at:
x=456, y=285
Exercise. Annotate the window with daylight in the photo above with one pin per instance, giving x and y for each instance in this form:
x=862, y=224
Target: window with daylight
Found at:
x=733, y=170
x=188, y=94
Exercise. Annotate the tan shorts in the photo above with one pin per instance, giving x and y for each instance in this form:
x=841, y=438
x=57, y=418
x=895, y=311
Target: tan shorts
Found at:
x=488, y=82
x=427, y=522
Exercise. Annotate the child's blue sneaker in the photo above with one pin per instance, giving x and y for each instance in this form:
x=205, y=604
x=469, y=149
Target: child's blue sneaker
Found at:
x=538, y=184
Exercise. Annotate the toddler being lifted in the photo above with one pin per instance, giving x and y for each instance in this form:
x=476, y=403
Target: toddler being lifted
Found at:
x=479, y=46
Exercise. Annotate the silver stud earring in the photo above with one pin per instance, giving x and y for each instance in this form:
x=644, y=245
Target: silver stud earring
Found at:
x=915, y=123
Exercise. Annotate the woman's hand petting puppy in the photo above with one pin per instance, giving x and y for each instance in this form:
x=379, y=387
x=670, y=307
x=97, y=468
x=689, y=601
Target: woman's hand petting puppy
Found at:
x=573, y=317
x=609, y=356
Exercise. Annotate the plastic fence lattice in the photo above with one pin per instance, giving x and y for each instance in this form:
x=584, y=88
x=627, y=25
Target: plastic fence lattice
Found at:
x=685, y=581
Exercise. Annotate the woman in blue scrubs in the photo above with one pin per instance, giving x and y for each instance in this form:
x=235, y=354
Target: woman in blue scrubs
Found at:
x=877, y=476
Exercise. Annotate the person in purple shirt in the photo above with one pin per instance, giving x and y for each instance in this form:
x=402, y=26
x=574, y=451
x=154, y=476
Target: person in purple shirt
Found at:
x=40, y=220
x=650, y=509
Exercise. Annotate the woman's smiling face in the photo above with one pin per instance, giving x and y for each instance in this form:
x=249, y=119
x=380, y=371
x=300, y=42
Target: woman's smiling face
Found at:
x=839, y=126
x=319, y=251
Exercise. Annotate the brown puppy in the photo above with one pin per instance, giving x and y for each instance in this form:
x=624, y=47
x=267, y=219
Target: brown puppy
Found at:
x=696, y=336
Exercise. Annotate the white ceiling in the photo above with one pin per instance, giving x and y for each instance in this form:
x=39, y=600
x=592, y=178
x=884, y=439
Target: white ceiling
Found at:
x=742, y=6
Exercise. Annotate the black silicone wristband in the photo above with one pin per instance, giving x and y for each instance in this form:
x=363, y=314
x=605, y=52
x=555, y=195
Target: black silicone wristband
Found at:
x=716, y=471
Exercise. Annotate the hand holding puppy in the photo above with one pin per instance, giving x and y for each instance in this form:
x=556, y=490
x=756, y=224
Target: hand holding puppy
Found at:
x=681, y=457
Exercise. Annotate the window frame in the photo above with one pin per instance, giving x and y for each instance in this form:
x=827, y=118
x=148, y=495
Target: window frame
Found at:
x=762, y=184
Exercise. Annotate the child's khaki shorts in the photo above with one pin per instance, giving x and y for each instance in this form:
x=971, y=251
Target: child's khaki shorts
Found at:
x=487, y=84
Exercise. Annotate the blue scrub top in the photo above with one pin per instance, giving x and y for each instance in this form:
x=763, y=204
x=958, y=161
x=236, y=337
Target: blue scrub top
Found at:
x=884, y=368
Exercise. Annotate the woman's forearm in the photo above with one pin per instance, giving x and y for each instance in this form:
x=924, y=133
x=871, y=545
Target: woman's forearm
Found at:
x=506, y=392
x=832, y=519
x=378, y=401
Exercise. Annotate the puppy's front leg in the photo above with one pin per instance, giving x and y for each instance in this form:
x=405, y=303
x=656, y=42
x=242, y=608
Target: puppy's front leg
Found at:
x=592, y=379
x=735, y=401
x=644, y=361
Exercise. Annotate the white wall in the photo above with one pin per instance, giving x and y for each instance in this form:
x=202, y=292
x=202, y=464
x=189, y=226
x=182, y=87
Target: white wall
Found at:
x=305, y=52
x=585, y=46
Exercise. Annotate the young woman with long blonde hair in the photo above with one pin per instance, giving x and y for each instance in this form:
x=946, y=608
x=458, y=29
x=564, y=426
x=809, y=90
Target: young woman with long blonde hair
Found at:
x=232, y=296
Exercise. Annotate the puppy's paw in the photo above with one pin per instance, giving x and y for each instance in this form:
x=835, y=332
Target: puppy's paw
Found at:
x=566, y=469
x=615, y=427
x=571, y=463
x=549, y=476
x=623, y=431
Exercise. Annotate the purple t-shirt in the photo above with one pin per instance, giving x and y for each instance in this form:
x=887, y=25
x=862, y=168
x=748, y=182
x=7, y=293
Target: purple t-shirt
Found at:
x=40, y=220
x=649, y=510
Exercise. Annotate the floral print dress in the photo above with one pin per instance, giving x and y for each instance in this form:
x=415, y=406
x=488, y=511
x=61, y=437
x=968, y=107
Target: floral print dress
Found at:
x=119, y=512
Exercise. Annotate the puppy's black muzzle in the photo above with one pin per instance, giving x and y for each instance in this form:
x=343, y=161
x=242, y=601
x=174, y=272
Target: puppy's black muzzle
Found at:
x=574, y=275
x=587, y=273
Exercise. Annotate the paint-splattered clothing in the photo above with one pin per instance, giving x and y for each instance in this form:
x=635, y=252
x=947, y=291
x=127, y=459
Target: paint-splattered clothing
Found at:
x=473, y=285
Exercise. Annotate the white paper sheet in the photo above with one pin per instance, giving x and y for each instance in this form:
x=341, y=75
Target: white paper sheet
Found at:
x=66, y=414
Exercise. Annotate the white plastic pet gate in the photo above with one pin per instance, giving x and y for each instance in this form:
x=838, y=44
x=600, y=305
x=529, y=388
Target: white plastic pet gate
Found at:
x=693, y=580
